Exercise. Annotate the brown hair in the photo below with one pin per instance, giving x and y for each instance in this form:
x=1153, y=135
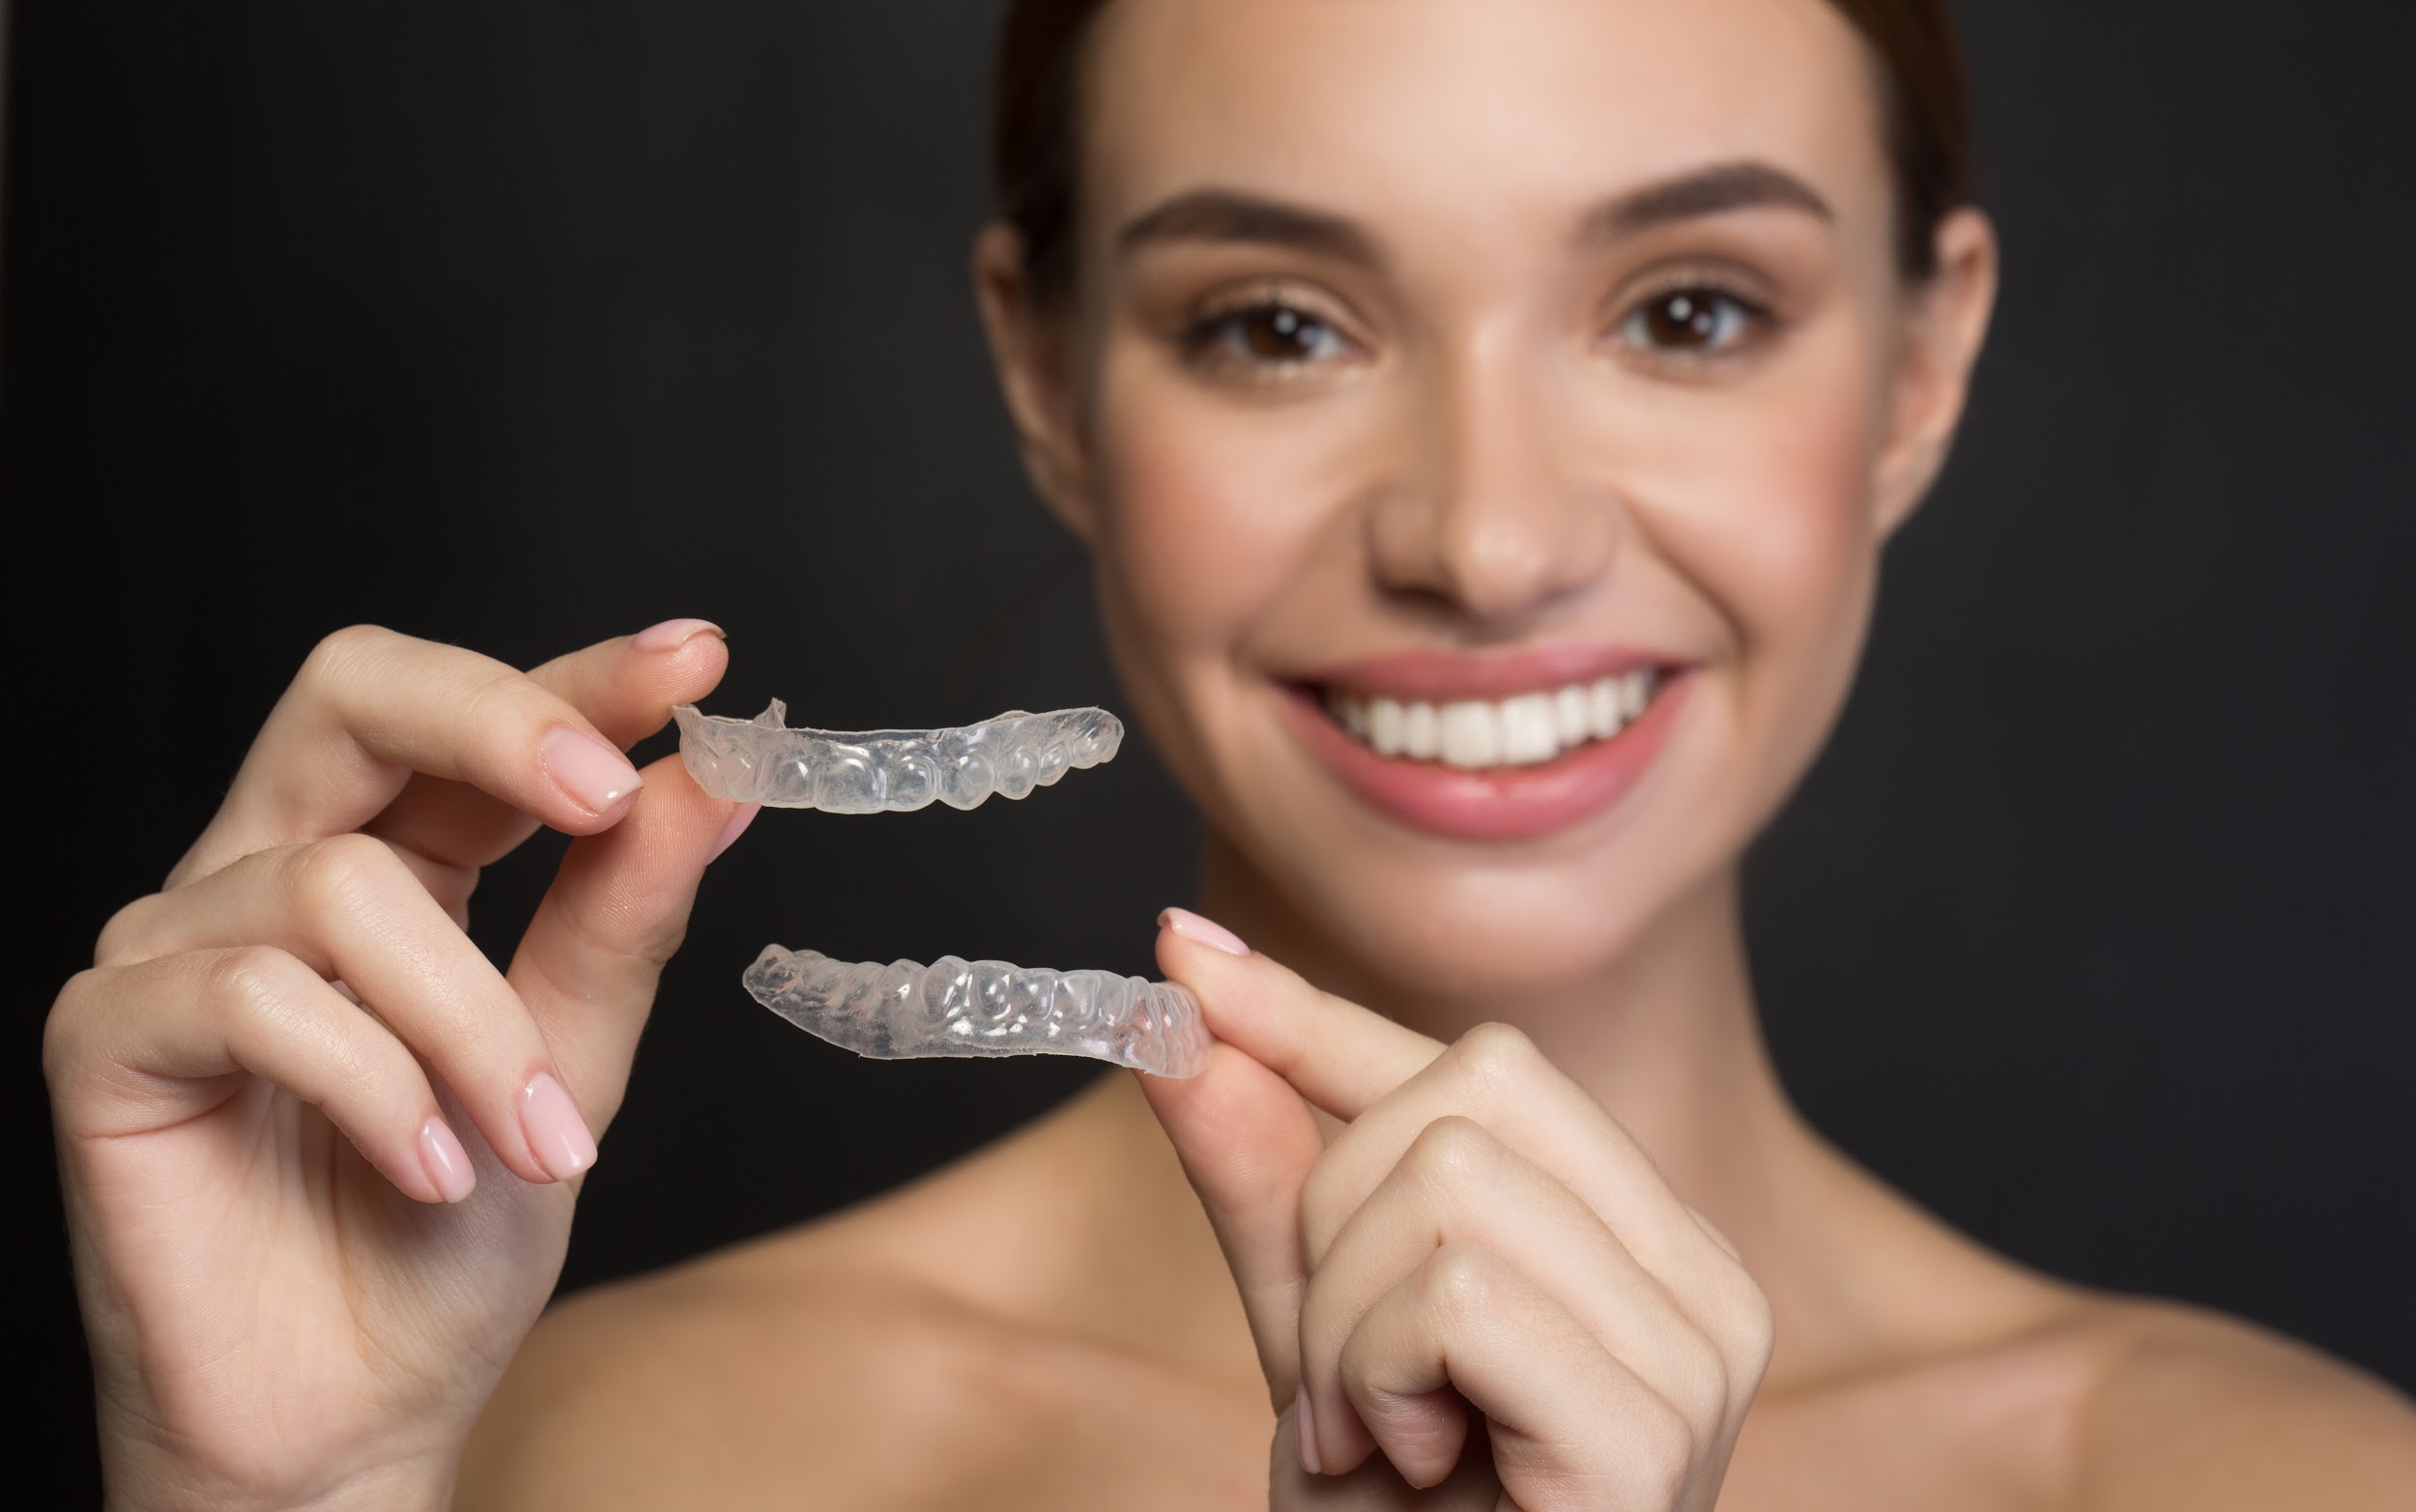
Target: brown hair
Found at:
x=1035, y=125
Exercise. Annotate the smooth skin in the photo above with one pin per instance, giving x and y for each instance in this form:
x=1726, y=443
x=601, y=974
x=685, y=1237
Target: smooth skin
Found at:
x=1545, y=1232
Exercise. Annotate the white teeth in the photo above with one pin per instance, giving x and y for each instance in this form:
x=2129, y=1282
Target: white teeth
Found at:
x=1525, y=731
x=1530, y=732
x=1606, y=706
x=1472, y=735
x=1385, y=729
x=1573, y=707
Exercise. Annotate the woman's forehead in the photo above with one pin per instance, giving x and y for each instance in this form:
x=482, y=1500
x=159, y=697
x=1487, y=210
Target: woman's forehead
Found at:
x=1368, y=106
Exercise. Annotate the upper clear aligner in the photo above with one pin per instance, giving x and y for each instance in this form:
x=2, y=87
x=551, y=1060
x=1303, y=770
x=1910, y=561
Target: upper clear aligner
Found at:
x=953, y=1007
x=759, y=760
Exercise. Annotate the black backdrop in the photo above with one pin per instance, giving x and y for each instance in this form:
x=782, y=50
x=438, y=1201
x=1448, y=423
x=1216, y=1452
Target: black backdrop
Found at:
x=520, y=324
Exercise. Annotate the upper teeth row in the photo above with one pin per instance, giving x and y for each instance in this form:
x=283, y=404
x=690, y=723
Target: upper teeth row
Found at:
x=1523, y=731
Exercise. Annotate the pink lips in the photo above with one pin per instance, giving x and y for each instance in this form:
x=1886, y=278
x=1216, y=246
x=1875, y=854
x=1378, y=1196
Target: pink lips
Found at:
x=1506, y=802
x=1440, y=677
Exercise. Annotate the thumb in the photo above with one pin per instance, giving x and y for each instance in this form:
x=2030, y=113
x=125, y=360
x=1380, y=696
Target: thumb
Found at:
x=1248, y=1141
x=1245, y=1128
x=1342, y=1057
x=619, y=908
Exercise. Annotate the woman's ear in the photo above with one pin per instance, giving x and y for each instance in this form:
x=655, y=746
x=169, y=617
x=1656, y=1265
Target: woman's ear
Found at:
x=1947, y=325
x=1032, y=348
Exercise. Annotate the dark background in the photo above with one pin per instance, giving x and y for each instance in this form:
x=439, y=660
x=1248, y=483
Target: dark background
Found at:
x=521, y=325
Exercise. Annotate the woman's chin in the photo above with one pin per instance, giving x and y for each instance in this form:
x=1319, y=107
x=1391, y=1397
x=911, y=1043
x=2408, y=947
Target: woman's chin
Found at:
x=1504, y=953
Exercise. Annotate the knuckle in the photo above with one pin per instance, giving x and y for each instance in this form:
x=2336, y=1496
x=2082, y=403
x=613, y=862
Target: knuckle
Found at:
x=1496, y=1057
x=1703, y=1388
x=1451, y=1151
x=1458, y=1280
x=120, y=938
x=341, y=652
x=1747, y=1329
x=498, y=697
x=1664, y=1453
x=342, y=872
x=358, y=1071
x=247, y=981
x=63, y=1030
x=663, y=941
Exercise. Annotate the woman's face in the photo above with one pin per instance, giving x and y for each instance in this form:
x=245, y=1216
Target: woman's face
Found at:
x=1487, y=414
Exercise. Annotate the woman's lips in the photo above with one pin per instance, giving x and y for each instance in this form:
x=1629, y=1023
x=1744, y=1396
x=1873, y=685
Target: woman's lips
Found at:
x=1499, y=804
x=1444, y=677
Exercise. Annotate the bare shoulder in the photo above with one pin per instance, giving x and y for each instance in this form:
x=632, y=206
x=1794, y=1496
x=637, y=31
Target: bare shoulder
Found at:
x=720, y=1381
x=797, y=1378
x=2190, y=1408
x=833, y=1365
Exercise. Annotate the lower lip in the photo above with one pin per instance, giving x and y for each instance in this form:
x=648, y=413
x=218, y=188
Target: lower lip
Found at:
x=1510, y=803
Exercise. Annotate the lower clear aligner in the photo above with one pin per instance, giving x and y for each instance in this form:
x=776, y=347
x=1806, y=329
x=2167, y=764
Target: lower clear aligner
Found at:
x=985, y=1008
x=760, y=761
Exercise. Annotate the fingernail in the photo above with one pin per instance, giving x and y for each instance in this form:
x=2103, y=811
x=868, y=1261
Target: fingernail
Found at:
x=673, y=633
x=1304, y=1428
x=557, y=1135
x=737, y=827
x=1207, y=932
x=588, y=770
x=445, y=1161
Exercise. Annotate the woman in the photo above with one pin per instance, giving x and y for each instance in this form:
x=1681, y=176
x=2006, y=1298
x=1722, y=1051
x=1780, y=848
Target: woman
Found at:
x=1485, y=419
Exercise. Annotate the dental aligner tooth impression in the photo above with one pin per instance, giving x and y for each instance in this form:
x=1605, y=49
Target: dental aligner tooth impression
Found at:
x=953, y=1006
x=956, y=1007
x=760, y=761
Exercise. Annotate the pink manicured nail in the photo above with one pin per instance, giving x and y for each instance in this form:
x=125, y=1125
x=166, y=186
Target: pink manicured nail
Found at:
x=673, y=633
x=445, y=1161
x=557, y=1135
x=1305, y=1427
x=588, y=770
x=1207, y=932
x=737, y=827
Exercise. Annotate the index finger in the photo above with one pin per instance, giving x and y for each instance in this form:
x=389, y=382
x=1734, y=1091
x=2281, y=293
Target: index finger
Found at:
x=1340, y=1056
x=625, y=687
x=369, y=708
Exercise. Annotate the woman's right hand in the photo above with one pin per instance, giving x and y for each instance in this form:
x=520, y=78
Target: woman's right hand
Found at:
x=1479, y=1294
x=280, y=1083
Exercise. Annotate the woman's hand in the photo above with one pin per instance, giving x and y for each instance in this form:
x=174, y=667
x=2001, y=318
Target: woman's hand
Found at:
x=1480, y=1235
x=279, y=1084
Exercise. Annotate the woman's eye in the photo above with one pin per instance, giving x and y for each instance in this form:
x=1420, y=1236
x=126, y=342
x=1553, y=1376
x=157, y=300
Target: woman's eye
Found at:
x=1267, y=335
x=1691, y=323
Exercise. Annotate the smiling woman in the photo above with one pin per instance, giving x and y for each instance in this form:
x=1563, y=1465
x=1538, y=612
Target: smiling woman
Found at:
x=1485, y=418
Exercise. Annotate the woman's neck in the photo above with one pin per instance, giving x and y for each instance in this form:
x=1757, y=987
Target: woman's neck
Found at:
x=1666, y=1038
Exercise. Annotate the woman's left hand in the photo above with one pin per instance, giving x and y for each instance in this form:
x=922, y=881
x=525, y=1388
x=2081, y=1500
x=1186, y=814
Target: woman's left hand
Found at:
x=1480, y=1235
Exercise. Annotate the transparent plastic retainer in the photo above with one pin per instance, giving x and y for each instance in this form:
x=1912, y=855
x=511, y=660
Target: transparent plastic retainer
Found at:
x=953, y=1006
x=896, y=771
x=956, y=1007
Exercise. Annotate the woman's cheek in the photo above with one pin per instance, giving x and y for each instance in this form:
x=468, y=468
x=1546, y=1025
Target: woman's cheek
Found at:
x=1801, y=569
x=1200, y=525
x=1799, y=573
x=1760, y=504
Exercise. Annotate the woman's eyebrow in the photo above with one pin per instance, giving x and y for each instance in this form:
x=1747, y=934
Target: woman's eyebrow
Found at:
x=1233, y=215
x=1217, y=214
x=1705, y=192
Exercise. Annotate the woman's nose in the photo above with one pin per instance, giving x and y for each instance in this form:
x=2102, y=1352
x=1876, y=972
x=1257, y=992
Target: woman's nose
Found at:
x=1487, y=511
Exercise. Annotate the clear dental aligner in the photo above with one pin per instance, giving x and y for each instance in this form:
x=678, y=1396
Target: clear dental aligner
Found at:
x=759, y=760
x=955, y=1007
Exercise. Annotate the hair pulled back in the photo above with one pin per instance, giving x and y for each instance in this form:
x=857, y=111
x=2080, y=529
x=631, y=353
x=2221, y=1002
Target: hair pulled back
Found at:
x=1035, y=125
